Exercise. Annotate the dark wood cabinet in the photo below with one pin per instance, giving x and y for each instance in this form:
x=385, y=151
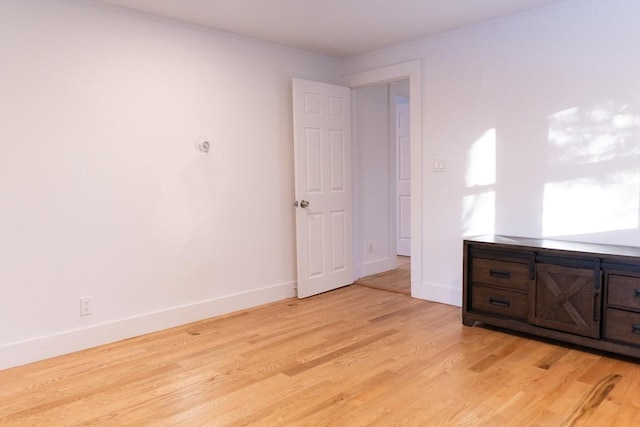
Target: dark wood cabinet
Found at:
x=585, y=294
x=622, y=310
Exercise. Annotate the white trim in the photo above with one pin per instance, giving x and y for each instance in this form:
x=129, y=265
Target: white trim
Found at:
x=393, y=176
x=36, y=349
x=442, y=294
x=413, y=71
x=378, y=266
x=356, y=182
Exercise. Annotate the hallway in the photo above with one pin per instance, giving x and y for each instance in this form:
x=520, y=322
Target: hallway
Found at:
x=398, y=280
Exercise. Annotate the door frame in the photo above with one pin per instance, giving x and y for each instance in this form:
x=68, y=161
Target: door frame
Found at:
x=411, y=70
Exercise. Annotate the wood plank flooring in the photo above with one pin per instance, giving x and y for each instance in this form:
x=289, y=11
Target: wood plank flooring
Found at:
x=398, y=280
x=352, y=357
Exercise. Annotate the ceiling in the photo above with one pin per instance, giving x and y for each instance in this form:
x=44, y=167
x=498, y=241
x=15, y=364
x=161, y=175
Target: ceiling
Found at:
x=340, y=28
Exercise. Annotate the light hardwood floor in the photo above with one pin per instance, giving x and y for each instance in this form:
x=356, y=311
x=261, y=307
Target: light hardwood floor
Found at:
x=398, y=280
x=352, y=357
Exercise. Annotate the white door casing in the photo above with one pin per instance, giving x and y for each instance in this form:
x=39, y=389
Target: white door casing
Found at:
x=323, y=192
x=413, y=71
x=403, y=179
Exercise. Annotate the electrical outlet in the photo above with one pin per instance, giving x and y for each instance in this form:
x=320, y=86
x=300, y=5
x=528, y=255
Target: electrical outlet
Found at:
x=86, y=306
x=369, y=247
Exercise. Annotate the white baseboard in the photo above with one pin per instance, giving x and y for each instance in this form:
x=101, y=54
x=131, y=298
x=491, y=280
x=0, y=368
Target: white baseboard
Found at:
x=24, y=352
x=438, y=293
x=378, y=266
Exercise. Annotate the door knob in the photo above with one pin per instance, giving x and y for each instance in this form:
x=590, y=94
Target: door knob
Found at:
x=304, y=204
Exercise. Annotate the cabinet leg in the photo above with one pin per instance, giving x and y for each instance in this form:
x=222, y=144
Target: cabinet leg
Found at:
x=467, y=322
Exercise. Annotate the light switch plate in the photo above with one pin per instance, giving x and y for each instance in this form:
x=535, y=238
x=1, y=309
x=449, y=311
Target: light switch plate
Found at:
x=439, y=164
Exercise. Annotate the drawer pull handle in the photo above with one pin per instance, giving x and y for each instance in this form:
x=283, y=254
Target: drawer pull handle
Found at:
x=636, y=293
x=635, y=328
x=501, y=302
x=500, y=273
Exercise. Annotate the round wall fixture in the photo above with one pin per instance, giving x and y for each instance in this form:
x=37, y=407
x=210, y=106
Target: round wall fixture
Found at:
x=204, y=145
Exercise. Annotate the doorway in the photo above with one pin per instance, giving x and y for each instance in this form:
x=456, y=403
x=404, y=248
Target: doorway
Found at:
x=382, y=181
x=412, y=71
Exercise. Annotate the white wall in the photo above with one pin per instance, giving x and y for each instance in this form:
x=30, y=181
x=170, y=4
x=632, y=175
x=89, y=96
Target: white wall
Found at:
x=538, y=119
x=102, y=191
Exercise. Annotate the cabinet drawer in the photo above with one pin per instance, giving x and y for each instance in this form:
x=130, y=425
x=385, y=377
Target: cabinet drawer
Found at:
x=501, y=302
x=622, y=326
x=505, y=274
x=624, y=291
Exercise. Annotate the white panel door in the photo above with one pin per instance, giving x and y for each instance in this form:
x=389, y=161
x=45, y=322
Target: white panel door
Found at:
x=322, y=151
x=403, y=156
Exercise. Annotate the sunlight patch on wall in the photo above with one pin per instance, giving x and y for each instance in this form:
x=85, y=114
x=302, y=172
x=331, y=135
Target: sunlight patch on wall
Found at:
x=479, y=213
x=593, y=134
x=481, y=160
x=594, y=151
x=592, y=204
x=479, y=208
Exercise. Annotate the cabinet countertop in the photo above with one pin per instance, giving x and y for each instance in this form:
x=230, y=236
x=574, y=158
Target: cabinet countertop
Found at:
x=559, y=245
